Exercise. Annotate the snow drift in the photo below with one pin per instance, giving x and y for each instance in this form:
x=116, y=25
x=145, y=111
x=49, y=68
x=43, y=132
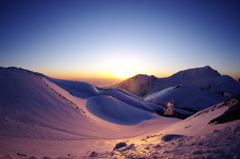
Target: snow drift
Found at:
x=116, y=111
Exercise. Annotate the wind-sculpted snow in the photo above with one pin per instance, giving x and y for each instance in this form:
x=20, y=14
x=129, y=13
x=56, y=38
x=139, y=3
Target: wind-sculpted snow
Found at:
x=116, y=111
x=163, y=92
x=115, y=92
x=184, y=97
x=131, y=100
x=76, y=88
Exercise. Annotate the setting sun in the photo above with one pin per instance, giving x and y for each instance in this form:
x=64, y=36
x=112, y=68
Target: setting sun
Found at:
x=123, y=72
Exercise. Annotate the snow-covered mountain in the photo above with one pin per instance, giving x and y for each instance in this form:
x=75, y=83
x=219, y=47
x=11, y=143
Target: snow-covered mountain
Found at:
x=41, y=116
x=193, y=89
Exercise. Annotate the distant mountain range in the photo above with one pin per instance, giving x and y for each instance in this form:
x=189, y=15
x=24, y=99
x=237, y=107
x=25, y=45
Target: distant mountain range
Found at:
x=192, y=89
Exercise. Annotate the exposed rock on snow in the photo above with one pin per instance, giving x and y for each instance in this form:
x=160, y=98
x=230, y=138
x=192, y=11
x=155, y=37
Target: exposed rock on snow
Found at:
x=231, y=114
x=120, y=145
x=170, y=137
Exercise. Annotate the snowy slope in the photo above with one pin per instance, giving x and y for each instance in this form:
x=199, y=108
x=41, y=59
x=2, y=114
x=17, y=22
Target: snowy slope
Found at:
x=196, y=88
x=76, y=88
x=116, y=111
x=32, y=106
x=195, y=137
x=88, y=91
x=222, y=144
x=33, y=109
x=201, y=122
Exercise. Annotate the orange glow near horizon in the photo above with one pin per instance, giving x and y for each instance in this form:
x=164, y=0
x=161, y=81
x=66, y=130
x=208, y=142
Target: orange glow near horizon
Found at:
x=116, y=68
x=120, y=73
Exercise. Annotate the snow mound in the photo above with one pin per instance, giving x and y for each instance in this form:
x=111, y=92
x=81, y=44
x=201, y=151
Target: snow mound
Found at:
x=130, y=99
x=184, y=97
x=161, y=93
x=116, y=111
x=76, y=88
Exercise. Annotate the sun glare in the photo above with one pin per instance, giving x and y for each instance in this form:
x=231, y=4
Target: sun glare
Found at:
x=123, y=72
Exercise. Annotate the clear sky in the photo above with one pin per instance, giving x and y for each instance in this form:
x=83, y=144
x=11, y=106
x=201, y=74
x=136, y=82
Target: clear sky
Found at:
x=76, y=39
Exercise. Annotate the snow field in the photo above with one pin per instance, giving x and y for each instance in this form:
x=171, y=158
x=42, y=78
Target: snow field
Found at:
x=224, y=144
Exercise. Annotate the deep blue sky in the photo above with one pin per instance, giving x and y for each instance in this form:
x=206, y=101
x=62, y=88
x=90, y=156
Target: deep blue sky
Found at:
x=92, y=39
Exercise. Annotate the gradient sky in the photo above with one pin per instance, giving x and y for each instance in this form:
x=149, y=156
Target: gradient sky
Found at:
x=76, y=39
